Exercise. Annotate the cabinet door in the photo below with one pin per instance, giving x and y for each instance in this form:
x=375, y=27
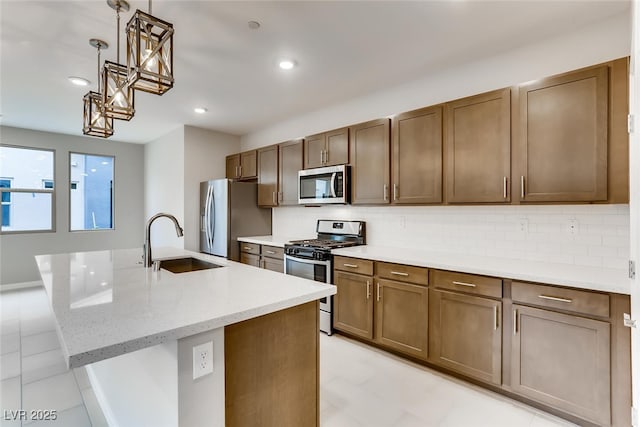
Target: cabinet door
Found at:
x=268, y=176
x=417, y=156
x=250, y=259
x=479, y=148
x=353, y=304
x=401, y=317
x=563, y=138
x=290, y=163
x=249, y=164
x=337, y=147
x=273, y=264
x=314, y=147
x=233, y=167
x=563, y=361
x=465, y=335
x=369, y=148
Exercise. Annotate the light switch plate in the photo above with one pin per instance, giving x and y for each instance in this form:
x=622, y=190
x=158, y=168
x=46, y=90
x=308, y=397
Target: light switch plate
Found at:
x=202, y=359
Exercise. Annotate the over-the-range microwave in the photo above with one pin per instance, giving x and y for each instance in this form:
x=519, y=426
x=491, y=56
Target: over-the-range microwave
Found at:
x=324, y=185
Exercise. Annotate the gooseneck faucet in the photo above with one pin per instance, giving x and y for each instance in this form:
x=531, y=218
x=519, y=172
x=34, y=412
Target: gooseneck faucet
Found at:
x=146, y=257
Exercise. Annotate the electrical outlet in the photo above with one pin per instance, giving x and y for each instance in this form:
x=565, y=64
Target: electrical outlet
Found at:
x=572, y=226
x=202, y=359
x=523, y=225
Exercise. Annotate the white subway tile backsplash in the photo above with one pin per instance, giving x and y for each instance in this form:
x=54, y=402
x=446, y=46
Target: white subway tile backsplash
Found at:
x=601, y=239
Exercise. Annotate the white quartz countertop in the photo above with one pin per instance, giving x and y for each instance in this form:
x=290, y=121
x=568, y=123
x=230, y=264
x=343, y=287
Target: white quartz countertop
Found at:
x=278, y=241
x=584, y=277
x=107, y=304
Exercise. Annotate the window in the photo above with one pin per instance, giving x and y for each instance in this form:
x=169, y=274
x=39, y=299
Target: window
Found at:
x=91, y=192
x=27, y=202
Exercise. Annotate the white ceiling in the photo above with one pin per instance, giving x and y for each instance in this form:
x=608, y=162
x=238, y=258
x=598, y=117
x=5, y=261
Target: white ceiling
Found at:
x=344, y=50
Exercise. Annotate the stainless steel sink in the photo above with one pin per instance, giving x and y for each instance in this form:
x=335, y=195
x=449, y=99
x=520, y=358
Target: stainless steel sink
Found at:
x=185, y=265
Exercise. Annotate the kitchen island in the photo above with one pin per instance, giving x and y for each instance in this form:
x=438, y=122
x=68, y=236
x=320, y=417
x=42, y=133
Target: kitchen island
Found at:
x=135, y=329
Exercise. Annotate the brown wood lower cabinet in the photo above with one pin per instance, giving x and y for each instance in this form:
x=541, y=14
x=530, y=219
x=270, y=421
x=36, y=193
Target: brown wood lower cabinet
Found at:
x=250, y=259
x=465, y=335
x=353, y=304
x=401, y=317
x=563, y=361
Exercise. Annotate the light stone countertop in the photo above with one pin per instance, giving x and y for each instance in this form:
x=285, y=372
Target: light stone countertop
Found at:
x=278, y=241
x=576, y=276
x=106, y=304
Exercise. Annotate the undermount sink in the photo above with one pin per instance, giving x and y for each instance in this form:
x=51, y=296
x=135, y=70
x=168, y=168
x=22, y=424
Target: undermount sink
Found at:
x=185, y=265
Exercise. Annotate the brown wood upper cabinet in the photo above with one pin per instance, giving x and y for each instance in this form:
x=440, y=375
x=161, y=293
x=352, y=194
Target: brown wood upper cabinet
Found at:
x=291, y=161
x=416, y=157
x=369, y=152
x=563, y=134
x=242, y=165
x=478, y=141
x=326, y=149
x=268, y=176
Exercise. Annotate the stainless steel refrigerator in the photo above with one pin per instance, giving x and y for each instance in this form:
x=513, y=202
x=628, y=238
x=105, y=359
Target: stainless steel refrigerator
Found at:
x=229, y=210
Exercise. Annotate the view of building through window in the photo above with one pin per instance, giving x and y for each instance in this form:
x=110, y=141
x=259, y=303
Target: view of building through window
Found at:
x=91, y=192
x=26, y=187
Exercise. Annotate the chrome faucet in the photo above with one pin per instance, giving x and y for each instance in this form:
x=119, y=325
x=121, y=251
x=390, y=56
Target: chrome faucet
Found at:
x=146, y=256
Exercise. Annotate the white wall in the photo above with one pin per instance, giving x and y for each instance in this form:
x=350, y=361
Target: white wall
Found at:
x=603, y=230
x=607, y=40
x=164, y=186
x=204, y=158
x=17, y=251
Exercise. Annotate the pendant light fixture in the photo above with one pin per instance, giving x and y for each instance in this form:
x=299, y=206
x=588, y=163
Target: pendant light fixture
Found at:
x=95, y=122
x=118, y=95
x=150, y=53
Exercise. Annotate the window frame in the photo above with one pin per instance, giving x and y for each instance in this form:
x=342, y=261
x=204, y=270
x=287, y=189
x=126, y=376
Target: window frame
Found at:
x=51, y=191
x=113, y=193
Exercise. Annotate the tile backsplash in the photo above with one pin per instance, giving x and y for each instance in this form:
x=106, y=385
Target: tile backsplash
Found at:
x=596, y=235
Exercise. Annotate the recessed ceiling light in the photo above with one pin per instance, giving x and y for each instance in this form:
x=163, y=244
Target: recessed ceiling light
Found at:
x=200, y=110
x=254, y=25
x=287, y=64
x=79, y=81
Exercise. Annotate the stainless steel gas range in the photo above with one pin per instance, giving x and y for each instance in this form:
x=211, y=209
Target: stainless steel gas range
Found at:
x=312, y=259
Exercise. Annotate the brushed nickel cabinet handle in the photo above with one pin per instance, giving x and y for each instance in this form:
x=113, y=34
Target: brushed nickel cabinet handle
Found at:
x=515, y=321
x=395, y=191
x=522, y=186
x=567, y=300
x=273, y=198
x=368, y=289
x=280, y=197
x=496, y=321
x=378, y=297
x=247, y=248
x=237, y=173
x=469, y=285
x=240, y=167
x=385, y=190
x=270, y=252
x=504, y=188
x=398, y=273
x=326, y=156
x=350, y=265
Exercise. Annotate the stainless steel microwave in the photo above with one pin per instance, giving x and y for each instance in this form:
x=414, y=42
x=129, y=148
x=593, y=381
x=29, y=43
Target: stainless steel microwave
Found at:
x=324, y=185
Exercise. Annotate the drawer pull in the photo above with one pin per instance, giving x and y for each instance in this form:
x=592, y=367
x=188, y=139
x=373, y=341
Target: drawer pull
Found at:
x=399, y=273
x=567, y=300
x=350, y=265
x=247, y=248
x=495, y=318
x=368, y=289
x=515, y=322
x=378, y=298
x=270, y=252
x=470, y=285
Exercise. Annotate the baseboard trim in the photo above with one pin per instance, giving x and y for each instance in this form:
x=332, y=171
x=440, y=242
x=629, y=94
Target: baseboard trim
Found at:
x=23, y=285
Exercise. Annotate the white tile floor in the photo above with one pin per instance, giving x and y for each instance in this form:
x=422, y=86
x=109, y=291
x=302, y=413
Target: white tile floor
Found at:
x=359, y=385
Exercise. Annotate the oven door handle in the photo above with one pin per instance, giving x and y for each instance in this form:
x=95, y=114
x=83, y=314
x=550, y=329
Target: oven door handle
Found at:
x=308, y=261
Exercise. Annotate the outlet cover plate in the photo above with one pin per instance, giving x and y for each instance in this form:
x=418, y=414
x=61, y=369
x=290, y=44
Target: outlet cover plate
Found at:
x=202, y=359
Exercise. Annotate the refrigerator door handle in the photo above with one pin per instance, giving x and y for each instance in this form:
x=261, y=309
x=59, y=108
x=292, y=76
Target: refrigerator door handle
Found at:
x=206, y=221
x=212, y=220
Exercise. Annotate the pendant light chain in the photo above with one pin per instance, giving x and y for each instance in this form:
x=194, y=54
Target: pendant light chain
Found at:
x=99, y=79
x=118, y=34
x=150, y=8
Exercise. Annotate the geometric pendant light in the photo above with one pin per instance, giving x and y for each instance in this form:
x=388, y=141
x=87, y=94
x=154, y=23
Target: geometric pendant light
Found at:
x=118, y=96
x=95, y=122
x=150, y=53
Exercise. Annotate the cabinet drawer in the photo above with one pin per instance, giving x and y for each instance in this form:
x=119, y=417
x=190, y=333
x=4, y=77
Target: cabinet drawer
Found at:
x=250, y=248
x=250, y=259
x=590, y=303
x=353, y=265
x=403, y=273
x=273, y=252
x=469, y=283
